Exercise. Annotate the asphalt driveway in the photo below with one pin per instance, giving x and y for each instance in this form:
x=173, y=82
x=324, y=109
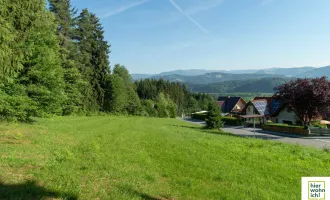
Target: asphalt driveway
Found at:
x=312, y=141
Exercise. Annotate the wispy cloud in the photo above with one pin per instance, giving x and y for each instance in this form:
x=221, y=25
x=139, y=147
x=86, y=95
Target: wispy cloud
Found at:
x=124, y=8
x=176, y=6
x=204, y=6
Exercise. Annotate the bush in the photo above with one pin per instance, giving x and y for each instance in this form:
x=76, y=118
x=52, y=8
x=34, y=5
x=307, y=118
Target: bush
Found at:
x=148, y=106
x=232, y=121
x=282, y=125
x=318, y=125
x=16, y=108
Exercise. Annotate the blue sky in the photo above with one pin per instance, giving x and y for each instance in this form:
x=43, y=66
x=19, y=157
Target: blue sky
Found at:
x=152, y=36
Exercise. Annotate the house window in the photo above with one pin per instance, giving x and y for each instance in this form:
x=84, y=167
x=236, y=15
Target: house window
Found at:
x=249, y=109
x=276, y=120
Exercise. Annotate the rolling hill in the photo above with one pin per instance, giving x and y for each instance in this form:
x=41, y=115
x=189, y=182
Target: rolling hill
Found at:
x=289, y=72
x=233, y=81
x=214, y=77
x=317, y=72
x=259, y=85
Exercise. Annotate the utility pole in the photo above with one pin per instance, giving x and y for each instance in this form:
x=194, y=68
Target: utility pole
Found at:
x=254, y=127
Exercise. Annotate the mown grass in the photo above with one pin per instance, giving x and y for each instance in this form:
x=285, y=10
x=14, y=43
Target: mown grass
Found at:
x=146, y=158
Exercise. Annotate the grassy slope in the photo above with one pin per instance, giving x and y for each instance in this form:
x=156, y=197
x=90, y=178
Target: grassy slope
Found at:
x=143, y=158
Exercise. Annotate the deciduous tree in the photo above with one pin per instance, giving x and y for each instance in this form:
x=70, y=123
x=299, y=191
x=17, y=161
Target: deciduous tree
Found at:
x=309, y=97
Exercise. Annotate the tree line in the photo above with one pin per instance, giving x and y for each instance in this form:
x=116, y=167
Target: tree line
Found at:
x=54, y=60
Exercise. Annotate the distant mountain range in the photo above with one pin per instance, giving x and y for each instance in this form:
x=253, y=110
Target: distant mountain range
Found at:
x=214, y=77
x=219, y=81
x=260, y=85
x=288, y=72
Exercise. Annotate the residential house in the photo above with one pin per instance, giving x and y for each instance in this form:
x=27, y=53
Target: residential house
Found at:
x=260, y=110
x=285, y=115
x=231, y=105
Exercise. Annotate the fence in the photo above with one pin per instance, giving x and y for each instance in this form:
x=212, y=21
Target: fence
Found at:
x=319, y=131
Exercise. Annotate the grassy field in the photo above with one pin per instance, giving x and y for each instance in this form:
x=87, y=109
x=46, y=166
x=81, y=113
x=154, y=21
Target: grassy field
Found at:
x=146, y=158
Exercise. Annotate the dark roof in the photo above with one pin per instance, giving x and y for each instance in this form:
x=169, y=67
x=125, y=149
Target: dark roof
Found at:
x=228, y=103
x=281, y=107
x=273, y=104
x=261, y=106
x=265, y=105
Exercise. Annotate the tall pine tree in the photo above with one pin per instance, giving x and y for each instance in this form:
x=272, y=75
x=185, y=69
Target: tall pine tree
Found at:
x=93, y=58
x=74, y=83
x=34, y=53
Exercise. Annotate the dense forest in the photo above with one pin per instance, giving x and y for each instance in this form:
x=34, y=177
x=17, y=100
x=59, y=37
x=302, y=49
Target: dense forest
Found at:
x=54, y=60
x=259, y=85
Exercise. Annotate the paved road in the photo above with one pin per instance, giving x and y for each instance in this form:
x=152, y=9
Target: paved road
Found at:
x=312, y=141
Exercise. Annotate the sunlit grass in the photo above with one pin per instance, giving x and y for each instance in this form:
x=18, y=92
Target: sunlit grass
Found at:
x=147, y=158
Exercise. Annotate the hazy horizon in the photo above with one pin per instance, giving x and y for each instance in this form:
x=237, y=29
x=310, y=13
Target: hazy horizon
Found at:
x=228, y=69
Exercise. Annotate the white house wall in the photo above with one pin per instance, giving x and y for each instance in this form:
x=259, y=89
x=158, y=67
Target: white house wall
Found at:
x=284, y=115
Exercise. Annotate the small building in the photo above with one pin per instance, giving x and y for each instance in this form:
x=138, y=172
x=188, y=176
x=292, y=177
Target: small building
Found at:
x=256, y=111
x=260, y=110
x=231, y=105
x=285, y=115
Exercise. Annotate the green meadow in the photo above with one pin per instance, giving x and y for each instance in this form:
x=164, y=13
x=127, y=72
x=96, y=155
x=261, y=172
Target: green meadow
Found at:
x=147, y=158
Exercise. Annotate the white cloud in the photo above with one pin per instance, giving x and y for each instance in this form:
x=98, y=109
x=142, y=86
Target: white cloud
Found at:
x=176, y=6
x=124, y=8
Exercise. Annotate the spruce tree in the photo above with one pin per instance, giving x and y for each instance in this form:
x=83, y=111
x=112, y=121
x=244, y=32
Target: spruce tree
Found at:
x=11, y=50
x=34, y=52
x=93, y=57
x=213, y=118
x=74, y=83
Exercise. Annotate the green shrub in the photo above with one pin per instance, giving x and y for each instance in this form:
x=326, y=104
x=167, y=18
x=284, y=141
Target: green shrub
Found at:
x=318, y=125
x=16, y=108
x=148, y=106
x=282, y=125
x=232, y=121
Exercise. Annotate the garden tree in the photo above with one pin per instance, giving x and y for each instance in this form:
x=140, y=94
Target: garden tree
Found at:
x=116, y=95
x=192, y=105
x=161, y=106
x=133, y=104
x=121, y=71
x=165, y=106
x=74, y=83
x=309, y=97
x=93, y=58
x=213, y=118
x=148, y=106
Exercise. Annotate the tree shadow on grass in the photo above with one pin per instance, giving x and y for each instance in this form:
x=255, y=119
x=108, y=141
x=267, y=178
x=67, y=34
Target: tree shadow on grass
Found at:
x=142, y=195
x=30, y=190
x=145, y=196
